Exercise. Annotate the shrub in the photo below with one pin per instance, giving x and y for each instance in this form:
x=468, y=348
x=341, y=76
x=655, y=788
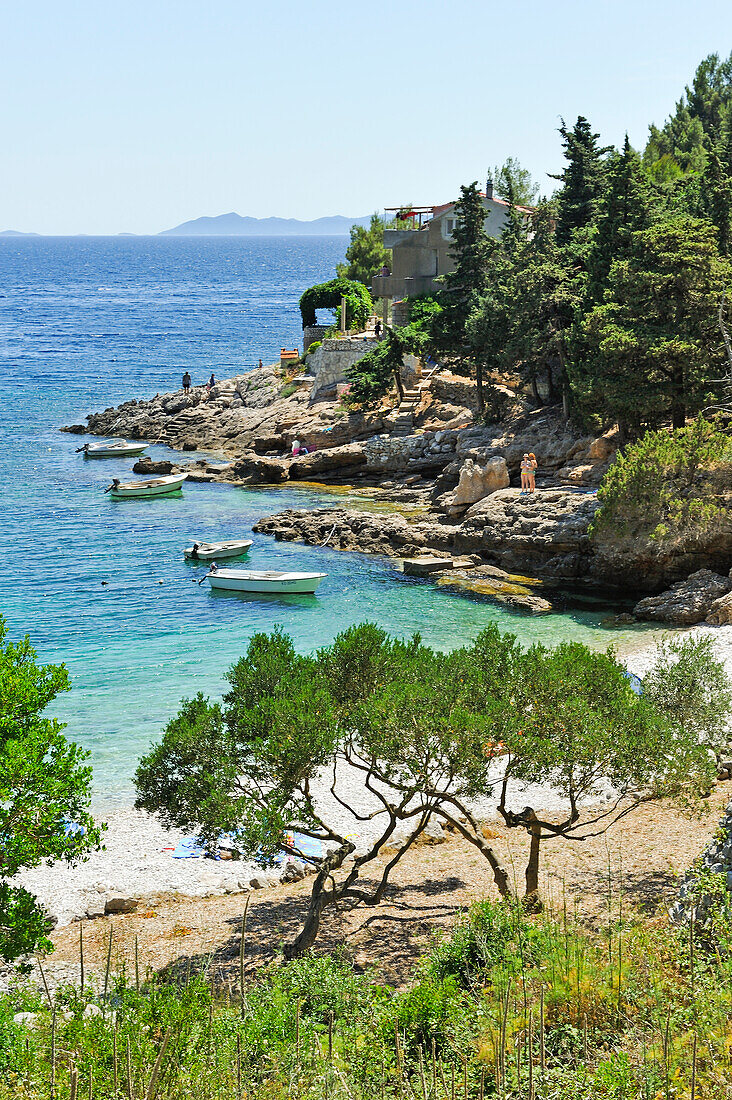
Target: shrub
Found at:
x=666, y=486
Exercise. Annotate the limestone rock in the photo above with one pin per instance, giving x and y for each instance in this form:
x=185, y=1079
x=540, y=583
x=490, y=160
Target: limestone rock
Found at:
x=96, y=906
x=686, y=602
x=259, y=882
x=542, y=533
x=476, y=482
x=292, y=872
x=333, y=460
x=26, y=1019
x=720, y=613
x=120, y=903
x=146, y=465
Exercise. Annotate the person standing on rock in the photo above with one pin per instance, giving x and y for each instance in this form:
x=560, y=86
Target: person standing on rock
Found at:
x=525, y=473
x=186, y=382
x=532, y=472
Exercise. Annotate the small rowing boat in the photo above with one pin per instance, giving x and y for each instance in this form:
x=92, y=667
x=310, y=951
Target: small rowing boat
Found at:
x=209, y=551
x=154, y=487
x=120, y=448
x=269, y=580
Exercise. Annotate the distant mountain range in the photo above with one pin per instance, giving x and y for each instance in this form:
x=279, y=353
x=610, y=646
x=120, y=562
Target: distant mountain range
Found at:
x=234, y=225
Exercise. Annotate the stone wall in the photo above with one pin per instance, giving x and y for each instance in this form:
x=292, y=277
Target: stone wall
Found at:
x=431, y=450
x=328, y=363
x=313, y=333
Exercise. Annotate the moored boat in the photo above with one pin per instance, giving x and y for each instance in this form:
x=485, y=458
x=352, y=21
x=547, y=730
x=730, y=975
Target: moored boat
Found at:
x=119, y=448
x=266, y=580
x=154, y=487
x=210, y=551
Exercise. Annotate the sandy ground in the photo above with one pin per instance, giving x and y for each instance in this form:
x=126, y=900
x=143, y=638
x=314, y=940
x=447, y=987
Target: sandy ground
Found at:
x=639, y=861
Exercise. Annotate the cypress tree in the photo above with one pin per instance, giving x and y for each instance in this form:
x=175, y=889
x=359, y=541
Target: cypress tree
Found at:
x=471, y=250
x=716, y=189
x=626, y=206
x=582, y=178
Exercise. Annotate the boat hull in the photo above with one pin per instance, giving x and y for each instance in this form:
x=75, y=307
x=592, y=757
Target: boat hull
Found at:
x=159, y=487
x=132, y=451
x=218, y=551
x=282, y=584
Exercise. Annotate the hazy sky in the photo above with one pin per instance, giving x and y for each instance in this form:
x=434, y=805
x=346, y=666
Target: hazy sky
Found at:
x=119, y=115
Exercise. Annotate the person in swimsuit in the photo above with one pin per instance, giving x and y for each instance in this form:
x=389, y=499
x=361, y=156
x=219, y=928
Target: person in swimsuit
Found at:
x=525, y=472
x=532, y=472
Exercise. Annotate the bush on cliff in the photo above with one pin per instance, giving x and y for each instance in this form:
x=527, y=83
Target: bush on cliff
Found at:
x=44, y=786
x=667, y=488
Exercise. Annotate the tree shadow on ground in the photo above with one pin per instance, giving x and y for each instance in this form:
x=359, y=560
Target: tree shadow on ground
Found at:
x=641, y=890
x=391, y=935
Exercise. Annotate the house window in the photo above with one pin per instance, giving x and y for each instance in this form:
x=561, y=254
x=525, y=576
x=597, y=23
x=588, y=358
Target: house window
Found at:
x=449, y=226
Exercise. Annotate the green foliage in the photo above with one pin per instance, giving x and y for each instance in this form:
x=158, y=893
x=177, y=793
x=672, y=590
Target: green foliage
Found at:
x=656, y=349
x=44, y=784
x=365, y=254
x=328, y=296
x=626, y=206
x=582, y=179
x=698, y=121
x=436, y=730
x=314, y=347
x=690, y=685
x=588, y=1012
x=373, y=375
x=513, y=182
x=665, y=488
x=471, y=250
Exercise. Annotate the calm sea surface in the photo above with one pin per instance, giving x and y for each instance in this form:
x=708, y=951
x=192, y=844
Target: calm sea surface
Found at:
x=100, y=584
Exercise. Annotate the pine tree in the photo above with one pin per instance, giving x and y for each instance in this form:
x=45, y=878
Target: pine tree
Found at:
x=657, y=351
x=366, y=253
x=582, y=178
x=716, y=189
x=626, y=207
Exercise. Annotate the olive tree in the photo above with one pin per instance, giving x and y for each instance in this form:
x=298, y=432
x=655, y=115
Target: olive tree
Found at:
x=377, y=736
x=582, y=736
x=370, y=735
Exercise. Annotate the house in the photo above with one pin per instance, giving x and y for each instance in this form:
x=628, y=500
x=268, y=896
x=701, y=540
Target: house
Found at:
x=421, y=250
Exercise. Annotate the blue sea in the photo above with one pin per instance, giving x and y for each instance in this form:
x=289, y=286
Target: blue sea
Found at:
x=101, y=585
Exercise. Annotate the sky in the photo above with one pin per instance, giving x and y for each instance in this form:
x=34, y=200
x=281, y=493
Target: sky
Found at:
x=129, y=116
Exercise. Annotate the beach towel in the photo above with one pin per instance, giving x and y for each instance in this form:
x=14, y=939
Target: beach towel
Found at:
x=190, y=847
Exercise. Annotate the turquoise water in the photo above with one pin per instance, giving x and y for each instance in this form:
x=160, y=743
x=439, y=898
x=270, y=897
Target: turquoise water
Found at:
x=100, y=584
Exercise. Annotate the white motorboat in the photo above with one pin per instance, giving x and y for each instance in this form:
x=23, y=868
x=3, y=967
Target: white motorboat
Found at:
x=153, y=487
x=119, y=448
x=267, y=580
x=211, y=551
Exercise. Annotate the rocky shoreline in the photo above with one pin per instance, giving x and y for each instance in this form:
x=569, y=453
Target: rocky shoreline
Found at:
x=450, y=482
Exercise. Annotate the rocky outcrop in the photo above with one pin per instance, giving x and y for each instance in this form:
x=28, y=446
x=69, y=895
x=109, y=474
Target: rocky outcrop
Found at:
x=686, y=602
x=541, y=534
x=696, y=898
x=544, y=534
x=720, y=613
x=476, y=482
x=369, y=532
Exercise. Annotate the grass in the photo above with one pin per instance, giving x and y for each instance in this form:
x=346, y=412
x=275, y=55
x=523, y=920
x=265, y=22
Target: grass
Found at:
x=506, y=1006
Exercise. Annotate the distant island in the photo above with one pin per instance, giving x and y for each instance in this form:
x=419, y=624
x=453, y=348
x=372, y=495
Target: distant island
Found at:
x=234, y=225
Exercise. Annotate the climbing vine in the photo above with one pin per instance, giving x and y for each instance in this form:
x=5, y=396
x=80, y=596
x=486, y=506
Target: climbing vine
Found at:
x=328, y=296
